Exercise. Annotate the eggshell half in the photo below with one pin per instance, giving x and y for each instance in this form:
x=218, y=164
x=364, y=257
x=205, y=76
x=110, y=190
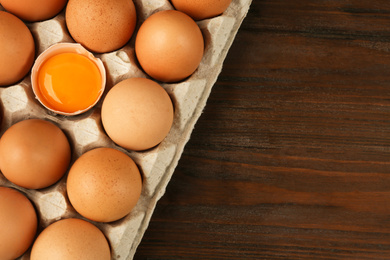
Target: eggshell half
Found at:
x=65, y=48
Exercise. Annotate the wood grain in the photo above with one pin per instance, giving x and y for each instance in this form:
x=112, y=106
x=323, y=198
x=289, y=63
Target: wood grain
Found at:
x=291, y=157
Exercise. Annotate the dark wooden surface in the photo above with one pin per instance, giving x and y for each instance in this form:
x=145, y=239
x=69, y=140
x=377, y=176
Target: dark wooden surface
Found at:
x=291, y=158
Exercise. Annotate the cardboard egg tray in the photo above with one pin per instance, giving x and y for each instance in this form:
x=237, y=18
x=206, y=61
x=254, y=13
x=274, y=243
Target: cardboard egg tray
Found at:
x=85, y=131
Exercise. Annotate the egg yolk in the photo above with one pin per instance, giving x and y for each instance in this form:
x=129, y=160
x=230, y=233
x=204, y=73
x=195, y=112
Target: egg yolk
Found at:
x=69, y=82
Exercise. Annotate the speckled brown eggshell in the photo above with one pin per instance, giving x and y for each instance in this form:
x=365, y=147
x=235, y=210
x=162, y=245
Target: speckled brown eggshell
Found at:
x=101, y=25
x=70, y=239
x=104, y=184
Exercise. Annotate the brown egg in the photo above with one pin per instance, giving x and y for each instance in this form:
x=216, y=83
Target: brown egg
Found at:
x=104, y=184
x=101, y=25
x=70, y=239
x=34, y=153
x=17, y=49
x=169, y=46
x=201, y=9
x=34, y=10
x=137, y=113
x=18, y=223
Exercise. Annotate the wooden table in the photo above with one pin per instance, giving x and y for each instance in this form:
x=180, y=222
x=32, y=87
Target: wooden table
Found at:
x=291, y=157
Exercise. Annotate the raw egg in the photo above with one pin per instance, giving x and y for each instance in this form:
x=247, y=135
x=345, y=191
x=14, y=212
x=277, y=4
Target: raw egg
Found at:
x=17, y=49
x=169, y=46
x=34, y=10
x=101, y=25
x=34, y=153
x=104, y=184
x=70, y=239
x=201, y=9
x=18, y=223
x=67, y=79
x=137, y=113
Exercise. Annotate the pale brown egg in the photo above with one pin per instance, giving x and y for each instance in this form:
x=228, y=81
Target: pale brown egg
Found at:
x=101, y=25
x=169, y=46
x=104, y=184
x=71, y=239
x=17, y=49
x=34, y=10
x=201, y=9
x=18, y=223
x=34, y=153
x=137, y=113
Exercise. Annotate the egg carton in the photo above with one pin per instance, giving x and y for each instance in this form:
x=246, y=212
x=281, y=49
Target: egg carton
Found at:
x=85, y=131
